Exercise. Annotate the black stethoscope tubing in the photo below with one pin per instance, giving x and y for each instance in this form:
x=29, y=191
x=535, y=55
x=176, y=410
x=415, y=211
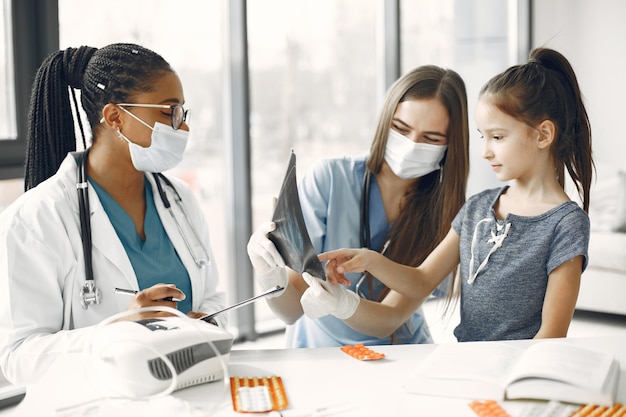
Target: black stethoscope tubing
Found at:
x=158, y=177
x=364, y=227
x=85, y=222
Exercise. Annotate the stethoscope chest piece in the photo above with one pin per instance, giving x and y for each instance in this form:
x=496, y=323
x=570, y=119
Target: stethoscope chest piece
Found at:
x=89, y=294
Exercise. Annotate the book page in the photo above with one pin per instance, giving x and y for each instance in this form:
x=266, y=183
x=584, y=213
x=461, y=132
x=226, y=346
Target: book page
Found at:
x=465, y=370
x=564, y=362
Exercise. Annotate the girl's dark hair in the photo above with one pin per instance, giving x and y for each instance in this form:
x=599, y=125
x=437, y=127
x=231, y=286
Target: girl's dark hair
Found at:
x=430, y=205
x=546, y=88
x=112, y=74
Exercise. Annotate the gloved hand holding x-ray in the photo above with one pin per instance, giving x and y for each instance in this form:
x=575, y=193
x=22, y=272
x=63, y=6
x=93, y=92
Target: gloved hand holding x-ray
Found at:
x=291, y=237
x=269, y=265
x=284, y=241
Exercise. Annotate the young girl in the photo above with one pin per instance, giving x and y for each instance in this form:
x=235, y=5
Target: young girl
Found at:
x=522, y=248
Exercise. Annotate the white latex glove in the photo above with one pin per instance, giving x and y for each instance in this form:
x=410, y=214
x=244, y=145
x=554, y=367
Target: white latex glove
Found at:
x=323, y=298
x=267, y=262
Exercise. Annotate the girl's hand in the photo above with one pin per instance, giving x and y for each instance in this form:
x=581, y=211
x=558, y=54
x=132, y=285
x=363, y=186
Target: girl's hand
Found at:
x=341, y=261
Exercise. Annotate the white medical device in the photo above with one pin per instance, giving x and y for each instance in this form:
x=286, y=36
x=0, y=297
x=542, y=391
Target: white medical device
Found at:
x=146, y=357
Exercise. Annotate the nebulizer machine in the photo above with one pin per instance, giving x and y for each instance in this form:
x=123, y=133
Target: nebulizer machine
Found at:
x=135, y=359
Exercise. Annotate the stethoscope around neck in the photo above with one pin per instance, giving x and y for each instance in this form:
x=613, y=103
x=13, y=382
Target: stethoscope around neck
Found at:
x=364, y=224
x=89, y=293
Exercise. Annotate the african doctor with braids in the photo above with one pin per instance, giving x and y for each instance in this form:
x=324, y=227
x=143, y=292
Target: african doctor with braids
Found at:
x=133, y=101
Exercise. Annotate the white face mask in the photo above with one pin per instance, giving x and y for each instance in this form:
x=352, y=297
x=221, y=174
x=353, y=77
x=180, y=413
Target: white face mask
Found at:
x=408, y=159
x=165, y=152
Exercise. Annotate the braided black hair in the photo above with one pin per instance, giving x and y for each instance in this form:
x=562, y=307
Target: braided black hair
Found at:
x=111, y=74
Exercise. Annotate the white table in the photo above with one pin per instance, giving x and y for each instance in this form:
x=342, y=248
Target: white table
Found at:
x=313, y=378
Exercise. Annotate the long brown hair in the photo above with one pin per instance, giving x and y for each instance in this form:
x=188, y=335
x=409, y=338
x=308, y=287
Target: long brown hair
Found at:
x=430, y=205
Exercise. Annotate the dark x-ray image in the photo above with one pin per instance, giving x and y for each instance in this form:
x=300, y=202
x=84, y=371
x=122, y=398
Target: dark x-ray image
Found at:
x=291, y=237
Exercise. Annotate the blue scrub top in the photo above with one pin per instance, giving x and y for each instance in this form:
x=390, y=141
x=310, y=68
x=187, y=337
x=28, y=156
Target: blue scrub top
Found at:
x=154, y=260
x=330, y=197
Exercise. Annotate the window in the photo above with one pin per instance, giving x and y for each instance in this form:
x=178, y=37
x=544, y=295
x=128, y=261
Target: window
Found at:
x=8, y=128
x=313, y=84
x=471, y=37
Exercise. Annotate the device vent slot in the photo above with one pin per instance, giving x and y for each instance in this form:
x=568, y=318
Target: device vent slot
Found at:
x=182, y=360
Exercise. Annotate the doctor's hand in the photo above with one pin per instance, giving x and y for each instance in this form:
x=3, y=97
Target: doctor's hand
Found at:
x=323, y=298
x=267, y=262
x=199, y=315
x=158, y=295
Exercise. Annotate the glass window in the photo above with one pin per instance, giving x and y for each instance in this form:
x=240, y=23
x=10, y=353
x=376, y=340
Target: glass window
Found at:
x=470, y=37
x=9, y=189
x=313, y=86
x=8, y=128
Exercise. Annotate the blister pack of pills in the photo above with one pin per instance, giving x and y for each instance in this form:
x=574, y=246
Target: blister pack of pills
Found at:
x=590, y=410
x=491, y=408
x=258, y=395
x=362, y=353
x=488, y=408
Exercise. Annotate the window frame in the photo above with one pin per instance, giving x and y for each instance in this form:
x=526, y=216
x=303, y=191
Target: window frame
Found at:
x=35, y=34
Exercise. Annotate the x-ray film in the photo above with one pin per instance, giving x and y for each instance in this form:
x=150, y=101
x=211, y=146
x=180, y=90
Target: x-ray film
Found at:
x=291, y=237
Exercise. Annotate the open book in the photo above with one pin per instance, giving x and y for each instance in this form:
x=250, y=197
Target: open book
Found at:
x=545, y=370
x=291, y=237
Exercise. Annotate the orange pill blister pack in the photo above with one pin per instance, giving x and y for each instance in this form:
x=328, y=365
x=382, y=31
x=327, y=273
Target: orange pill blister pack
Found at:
x=491, y=408
x=258, y=395
x=362, y=353
x=591, y=410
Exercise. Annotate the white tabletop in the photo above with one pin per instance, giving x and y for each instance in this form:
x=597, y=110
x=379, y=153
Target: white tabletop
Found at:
x=313, y=379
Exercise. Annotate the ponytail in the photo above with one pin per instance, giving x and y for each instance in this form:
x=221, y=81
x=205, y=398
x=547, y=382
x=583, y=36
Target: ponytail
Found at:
x=573, y=148
x=50, y=122
x=546, y=88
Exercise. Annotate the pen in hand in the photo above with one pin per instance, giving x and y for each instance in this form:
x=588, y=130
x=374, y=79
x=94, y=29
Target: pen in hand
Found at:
x=133, y=292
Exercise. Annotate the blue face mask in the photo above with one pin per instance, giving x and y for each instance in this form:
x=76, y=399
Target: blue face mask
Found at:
x=408, y=159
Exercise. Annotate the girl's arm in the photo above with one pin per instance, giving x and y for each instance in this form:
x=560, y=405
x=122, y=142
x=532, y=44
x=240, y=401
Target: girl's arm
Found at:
x=560, y=300
x=415, y=283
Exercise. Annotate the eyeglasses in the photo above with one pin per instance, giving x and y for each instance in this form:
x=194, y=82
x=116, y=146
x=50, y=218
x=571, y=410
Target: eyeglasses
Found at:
x=178, y=113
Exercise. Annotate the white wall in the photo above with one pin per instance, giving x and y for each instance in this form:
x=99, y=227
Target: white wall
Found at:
x=592, y=35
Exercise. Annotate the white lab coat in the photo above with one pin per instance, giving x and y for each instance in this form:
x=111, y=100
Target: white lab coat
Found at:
x=42, y=270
